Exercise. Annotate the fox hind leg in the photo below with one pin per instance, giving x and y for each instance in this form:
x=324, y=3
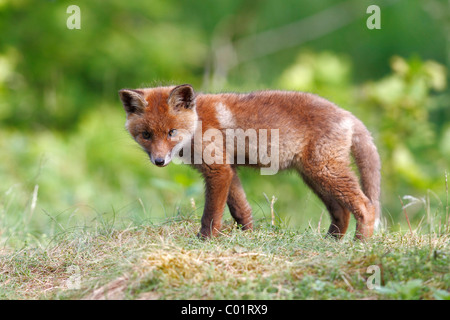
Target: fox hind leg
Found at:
x=340, y=216
x=338, y=186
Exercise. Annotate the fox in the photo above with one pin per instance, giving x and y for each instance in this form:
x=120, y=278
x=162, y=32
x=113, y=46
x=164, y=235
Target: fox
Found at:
x=303, y=132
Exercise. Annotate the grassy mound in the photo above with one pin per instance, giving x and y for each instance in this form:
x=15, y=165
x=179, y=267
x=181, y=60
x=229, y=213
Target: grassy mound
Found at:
x=167, y=261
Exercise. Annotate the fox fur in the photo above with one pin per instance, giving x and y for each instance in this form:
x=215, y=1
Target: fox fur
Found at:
x=315, y=137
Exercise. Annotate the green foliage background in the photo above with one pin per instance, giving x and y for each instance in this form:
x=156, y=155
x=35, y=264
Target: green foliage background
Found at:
x=66, y=159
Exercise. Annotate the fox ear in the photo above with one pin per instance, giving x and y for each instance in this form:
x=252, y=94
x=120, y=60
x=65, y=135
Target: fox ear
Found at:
x=133, y=100
x=182, y=97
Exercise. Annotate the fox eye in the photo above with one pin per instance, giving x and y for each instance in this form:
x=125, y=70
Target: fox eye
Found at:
x=173, y=133
x=146, y=135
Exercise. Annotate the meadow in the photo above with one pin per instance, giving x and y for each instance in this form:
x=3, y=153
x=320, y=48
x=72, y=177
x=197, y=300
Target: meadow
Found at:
x=167, y=261
x=85, y=215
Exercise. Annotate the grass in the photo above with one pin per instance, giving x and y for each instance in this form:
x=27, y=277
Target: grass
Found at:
x=167, y=261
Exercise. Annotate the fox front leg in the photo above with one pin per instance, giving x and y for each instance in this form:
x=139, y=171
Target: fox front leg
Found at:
x=217, y=183
x=238, y=204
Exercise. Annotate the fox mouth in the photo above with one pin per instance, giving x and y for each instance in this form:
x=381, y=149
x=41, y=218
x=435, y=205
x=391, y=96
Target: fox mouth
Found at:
x=161, y=165
x=161, y=162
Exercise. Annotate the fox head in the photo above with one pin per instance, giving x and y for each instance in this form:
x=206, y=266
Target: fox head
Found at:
x=160, y=119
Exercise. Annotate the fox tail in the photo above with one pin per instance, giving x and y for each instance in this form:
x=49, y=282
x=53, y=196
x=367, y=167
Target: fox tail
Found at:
x=368, y=162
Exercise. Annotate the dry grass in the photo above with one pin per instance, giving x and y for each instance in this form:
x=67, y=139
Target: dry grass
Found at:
x=169, y=262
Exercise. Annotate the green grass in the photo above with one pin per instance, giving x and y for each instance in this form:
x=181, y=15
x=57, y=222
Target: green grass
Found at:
x=167, y=261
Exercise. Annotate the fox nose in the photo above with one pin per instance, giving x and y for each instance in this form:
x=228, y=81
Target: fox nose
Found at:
x=159, y=161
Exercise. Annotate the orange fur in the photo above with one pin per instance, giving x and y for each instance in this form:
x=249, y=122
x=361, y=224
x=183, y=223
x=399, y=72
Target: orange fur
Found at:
x=315, y=137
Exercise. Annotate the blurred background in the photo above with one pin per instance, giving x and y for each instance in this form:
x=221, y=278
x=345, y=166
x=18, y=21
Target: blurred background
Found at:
x=67, y=161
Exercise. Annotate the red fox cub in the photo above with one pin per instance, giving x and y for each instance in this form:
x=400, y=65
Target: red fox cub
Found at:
x=270, y=130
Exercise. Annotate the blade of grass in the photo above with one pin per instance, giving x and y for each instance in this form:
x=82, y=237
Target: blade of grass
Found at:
x=406, y=215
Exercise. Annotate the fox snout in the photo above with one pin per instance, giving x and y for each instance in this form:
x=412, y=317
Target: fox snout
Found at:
x=160, y=160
